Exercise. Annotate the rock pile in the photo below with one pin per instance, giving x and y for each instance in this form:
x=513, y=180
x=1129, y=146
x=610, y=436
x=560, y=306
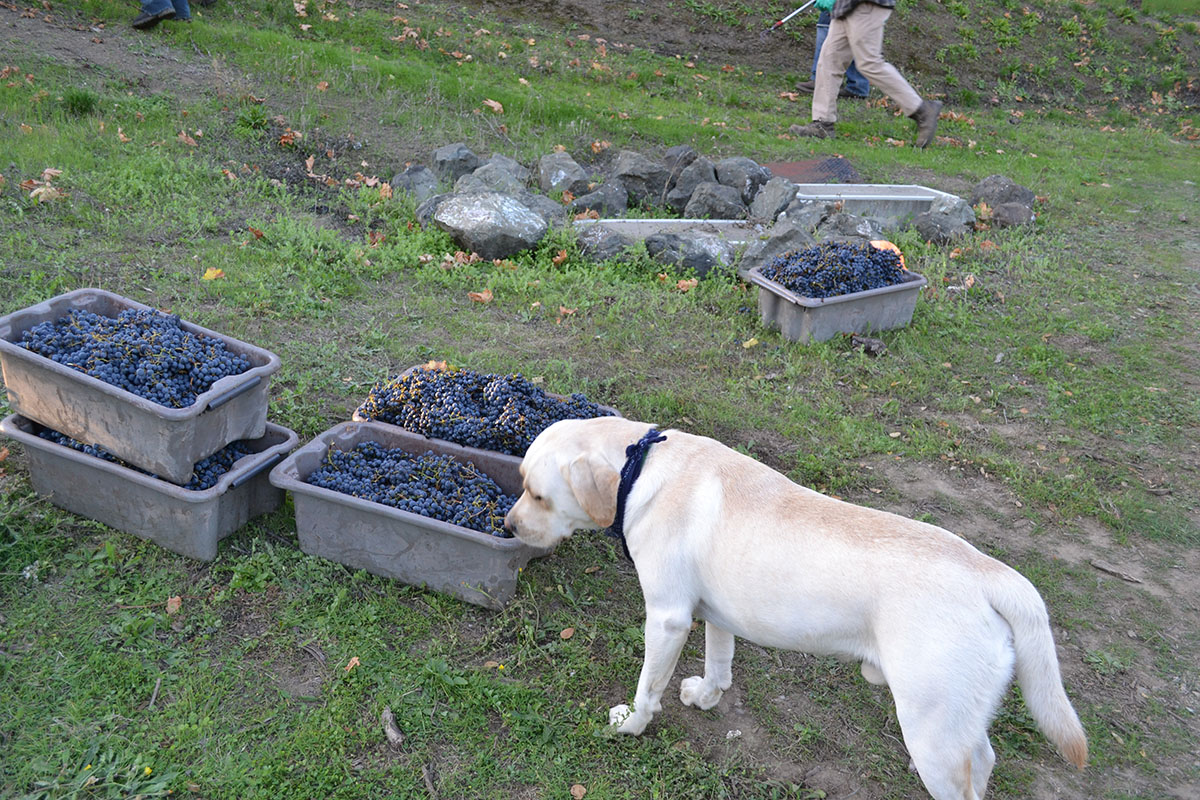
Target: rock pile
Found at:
x=492, y=211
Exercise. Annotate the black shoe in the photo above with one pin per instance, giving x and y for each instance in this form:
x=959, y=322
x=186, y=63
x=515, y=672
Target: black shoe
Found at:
x=806, y=87
x=843, y=92
x=926, y=118
x=145, y=22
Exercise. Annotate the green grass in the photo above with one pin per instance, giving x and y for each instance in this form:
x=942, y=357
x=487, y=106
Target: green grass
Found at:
x=1062, y=379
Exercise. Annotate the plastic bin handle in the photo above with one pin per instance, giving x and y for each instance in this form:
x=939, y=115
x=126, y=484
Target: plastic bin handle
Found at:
x=264, y=466
x=222, y=399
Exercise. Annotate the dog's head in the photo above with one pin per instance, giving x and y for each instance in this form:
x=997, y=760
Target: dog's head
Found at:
x=570, y=475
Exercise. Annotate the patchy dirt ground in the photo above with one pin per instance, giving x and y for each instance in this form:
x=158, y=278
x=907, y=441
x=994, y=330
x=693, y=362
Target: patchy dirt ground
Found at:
x=1135, y=656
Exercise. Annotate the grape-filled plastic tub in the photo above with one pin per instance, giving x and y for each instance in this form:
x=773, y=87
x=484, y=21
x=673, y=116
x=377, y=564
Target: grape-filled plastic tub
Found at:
x=803, y=319
x=181, y=520
x=417, y=550
x=159, y=439
x=513, y=461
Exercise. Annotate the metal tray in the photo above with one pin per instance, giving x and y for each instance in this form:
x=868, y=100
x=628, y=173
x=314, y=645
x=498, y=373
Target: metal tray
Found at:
x=417, y=550
x=165, y=441
x=184, y=521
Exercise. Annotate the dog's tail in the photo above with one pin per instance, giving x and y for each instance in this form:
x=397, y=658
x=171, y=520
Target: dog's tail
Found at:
x=1016, y=599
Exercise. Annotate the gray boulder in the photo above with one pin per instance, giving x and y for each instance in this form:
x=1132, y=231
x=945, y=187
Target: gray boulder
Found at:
x=715, y=201
x=1008, y=215
x=509, y=165
x=946, y=220
x=552, y=212
x=743, y=174
x=695, y=250
x=558, y=172
x=452, y=161
x=417, y=181
x=602, y=244
x=489, y=178
x=676, y=160
x=609, y=200
x=997, y=190
x=808, y=214
x=785, y=236
x=701, y=170
x=774, y=196
x=843, y=227
x=645, y=180
x=429, y=207
x=493, y=225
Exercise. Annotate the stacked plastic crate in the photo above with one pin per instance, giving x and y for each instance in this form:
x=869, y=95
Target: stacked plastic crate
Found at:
x=418, y=550
x=159, y=445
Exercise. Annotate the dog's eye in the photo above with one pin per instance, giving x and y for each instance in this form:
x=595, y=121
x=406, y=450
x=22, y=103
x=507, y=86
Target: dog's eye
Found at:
x=537, y=498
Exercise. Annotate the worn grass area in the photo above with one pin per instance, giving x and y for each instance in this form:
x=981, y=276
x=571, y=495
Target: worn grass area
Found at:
x=1043, y=403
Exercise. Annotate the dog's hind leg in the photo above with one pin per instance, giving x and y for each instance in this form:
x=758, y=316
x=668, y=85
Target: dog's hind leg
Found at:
x=666, y=631
x=704, y=693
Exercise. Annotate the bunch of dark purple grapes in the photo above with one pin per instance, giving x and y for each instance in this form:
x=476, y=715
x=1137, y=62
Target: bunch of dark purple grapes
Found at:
x=504, y=413
x=205, y=473
x=143, y=351
x=835, y=268
x=434, y=486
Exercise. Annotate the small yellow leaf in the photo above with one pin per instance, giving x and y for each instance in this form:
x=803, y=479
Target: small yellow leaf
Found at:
x=212, y=273
x=752, y=342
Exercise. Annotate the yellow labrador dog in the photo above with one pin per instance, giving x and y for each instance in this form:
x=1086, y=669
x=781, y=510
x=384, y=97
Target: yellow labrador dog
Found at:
x=716, y=535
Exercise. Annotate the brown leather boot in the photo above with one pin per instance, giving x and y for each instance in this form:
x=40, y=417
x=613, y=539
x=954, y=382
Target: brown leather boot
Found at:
x=927, y=119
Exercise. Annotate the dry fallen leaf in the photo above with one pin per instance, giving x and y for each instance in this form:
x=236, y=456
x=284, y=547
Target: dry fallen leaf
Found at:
x=174, y=604
x=481, y=297
x=44, y=194
x=212, y=273
x=687, y=285
x=322, y=86
x=354, y=662
x=988, y=244
x=255, y=231
x=560, y=258
x=494, y=106
x=751, y=342
x=578, y=791
x=188, y=140
x=121, y=135
x=566, y=633
x=590, y=570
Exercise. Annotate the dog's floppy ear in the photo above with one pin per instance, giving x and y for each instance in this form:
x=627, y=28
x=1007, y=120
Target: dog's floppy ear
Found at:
x=594, y=484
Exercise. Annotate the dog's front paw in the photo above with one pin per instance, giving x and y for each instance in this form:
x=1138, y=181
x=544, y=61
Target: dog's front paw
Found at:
x=625, y=720
x=695, y=691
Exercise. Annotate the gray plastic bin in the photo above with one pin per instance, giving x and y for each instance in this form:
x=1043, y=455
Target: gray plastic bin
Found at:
x=801, y=319
x=421, y=551
x=181, y=520
x=159, y=439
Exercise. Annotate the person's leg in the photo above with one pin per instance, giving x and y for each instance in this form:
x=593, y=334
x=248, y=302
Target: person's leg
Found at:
x=835, y=57
x=153, y=12
x=857, y=84
x=864, y=31
x=822, y=33
x=183, y=12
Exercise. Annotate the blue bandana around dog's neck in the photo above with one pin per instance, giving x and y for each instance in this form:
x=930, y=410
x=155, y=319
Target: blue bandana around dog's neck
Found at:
x=635, y=456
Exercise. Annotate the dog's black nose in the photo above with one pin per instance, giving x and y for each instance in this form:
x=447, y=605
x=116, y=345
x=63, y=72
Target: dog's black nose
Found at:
x=509, y=527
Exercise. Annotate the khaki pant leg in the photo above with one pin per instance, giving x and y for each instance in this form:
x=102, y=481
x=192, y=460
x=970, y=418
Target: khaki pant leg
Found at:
x=864, y=32
x=831, y=66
